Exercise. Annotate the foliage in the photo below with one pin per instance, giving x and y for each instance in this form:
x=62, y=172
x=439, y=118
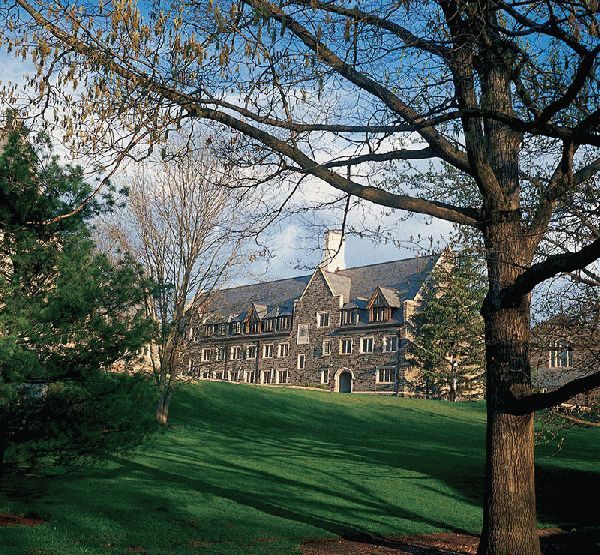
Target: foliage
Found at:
x=448, y=339
x=67, y=314
x=504, y=92
x=249, y=470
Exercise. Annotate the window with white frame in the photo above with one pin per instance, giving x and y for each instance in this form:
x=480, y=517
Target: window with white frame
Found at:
x=284, y=322
x=234, y=375
x=249, y=376
x=282, y=376
x=267, y=325
x=324, y=375
x=235, y=328
x=206, y=375
x=345, y=346
x=267, y=376
x=283, y=350
x=268, y=351
x=322, y=319
x=218, y=375
x=326, y=348
x=301, y=361
x=390, y=344
x=206, y=355
x=220, y=354
x=237, y=353
x=366, y=344
x=251, y=351
x=303, y=332
x=561, y=355
x=385, y=375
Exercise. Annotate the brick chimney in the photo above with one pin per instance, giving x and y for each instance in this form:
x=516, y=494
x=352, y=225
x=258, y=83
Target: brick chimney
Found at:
x=334, y=251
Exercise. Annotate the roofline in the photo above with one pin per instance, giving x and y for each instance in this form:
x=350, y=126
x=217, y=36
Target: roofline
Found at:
x=339, y=271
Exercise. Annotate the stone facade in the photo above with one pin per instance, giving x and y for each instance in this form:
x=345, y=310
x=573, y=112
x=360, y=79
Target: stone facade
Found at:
x=333, y=330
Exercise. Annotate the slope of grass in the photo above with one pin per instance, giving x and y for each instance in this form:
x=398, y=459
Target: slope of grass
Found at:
x=244, y=469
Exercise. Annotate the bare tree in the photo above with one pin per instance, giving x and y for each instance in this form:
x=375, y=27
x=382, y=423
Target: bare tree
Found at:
x=179, y=224
x=502, y=96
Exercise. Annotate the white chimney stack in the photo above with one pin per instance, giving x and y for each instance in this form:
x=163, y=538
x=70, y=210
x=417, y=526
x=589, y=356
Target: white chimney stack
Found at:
x=334, y=251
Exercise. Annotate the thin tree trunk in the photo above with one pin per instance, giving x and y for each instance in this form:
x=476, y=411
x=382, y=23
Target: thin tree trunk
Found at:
x=509, y=518
x=162, y=407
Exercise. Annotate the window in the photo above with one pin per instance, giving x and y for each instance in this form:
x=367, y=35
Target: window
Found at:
x=349, y=317
x=251, y=351
x=268, y=351
x=303, y=330
x=324, y=375
x=380, y=314
x=267, y=324
x=252, y=326
x=235, y=328
x=283, y=350
x=220, y=354
x=206, y=355
x=205, y=375
x=345, y=346
x=326, y=349
x=301, y=362
x=192, y=367
x=282, y=376
x=284, y=322
x=561, y=356
x=366, y=344
x=323, y=319
x=390, y=344
x=267, y=374
x=237, y=353
x=218, y=375
x=250, y=376
x=385, y=375
x=234, y=375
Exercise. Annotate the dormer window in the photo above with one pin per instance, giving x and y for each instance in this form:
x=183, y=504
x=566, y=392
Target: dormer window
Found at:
x=252, y=326
x=267, y=325
x=235, y=328
x=561, y=355
x=284, y=322
x=350, y=317
x=380, y=314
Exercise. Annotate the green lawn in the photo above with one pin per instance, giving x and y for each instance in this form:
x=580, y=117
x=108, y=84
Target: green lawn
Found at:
x=245, y=469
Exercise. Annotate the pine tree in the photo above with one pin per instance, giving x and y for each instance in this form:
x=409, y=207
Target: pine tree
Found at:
x=67, y=314
x=448, y=332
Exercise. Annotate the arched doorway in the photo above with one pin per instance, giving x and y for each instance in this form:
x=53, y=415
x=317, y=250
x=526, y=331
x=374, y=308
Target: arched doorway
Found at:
x=345, y=382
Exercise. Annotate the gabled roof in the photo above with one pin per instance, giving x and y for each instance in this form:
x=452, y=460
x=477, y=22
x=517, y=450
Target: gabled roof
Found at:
x=339, y=284
x=389, y=297
x=405, y=277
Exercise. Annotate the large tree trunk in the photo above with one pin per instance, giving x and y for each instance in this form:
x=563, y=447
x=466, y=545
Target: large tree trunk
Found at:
x=509, y=519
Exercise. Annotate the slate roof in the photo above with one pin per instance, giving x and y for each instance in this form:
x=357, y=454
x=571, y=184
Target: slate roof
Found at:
x=340, y=284
x=405, y=277
x=391, y=296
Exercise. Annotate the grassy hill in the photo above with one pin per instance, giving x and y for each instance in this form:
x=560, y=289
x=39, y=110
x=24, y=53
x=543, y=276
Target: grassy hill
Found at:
x=244, y=469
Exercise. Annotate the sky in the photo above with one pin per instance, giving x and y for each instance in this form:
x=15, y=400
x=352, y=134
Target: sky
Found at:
x=295, y=244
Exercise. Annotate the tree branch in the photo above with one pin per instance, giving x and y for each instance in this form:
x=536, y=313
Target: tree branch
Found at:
x=539, y=401
x=552, y=266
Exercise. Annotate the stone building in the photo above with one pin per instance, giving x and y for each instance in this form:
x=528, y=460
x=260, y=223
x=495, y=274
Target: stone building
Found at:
x=564, y=348
x=339, y=329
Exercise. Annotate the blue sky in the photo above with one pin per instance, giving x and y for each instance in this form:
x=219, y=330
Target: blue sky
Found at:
x=295, y=245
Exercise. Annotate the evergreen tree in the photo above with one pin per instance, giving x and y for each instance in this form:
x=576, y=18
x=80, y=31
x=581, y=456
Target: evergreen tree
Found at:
x=448, y=331
x=67, y=314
